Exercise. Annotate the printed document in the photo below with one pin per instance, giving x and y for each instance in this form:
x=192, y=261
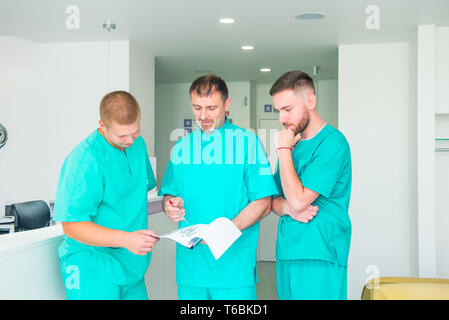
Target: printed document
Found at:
x=219, y=235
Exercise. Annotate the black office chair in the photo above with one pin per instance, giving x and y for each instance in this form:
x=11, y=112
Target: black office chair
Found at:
x=30, y=215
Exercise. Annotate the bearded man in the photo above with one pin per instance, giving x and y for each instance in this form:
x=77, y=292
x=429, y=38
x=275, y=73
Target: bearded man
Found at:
x=314, y=169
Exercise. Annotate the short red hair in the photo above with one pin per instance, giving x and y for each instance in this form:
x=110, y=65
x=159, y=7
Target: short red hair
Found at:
x=119, y=107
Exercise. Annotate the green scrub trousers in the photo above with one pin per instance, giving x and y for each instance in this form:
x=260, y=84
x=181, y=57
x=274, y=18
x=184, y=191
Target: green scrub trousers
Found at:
x=199, y=293
x=310, y=280
x=81, y=284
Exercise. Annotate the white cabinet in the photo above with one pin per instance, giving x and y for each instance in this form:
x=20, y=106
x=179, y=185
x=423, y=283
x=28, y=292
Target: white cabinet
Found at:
x=30, y=265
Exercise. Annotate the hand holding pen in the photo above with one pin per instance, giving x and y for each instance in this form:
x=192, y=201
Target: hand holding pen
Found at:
x=174, y=208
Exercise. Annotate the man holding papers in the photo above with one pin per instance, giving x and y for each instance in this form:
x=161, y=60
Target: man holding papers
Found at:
x=102, y=203
x=218, y=170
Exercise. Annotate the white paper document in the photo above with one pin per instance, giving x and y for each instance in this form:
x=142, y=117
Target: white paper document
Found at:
x=219, y=235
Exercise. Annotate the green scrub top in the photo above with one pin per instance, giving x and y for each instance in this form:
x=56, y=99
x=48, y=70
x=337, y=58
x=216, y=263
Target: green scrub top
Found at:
x=109, y=187
x=323, y=164
x=218, y=175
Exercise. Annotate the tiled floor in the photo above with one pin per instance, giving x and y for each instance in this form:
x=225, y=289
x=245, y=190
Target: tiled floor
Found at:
x=266, y=288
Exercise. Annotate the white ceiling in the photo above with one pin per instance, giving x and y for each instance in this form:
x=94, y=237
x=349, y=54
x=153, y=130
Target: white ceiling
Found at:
x=185, y=36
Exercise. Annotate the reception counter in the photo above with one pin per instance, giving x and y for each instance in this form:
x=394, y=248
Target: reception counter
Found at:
x=29, y=264
x=29, y=261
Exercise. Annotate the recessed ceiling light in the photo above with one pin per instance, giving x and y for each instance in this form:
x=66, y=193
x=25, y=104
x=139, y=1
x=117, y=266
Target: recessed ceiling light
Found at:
x=310, y=16
x=265, y=70
x=226, y=20
x=247, y=47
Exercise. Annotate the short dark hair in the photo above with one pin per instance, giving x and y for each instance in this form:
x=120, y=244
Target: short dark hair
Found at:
x=293, y=80
x=207, y=84
x=119, y=107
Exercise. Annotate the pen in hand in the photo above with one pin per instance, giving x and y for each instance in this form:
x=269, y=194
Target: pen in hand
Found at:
x=183, y=218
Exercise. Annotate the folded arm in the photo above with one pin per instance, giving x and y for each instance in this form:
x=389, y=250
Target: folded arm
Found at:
x=252, y=213
x=281, y=207
x=298, y=197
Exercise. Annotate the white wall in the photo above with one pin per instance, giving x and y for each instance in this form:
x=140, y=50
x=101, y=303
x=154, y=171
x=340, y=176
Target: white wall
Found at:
x=375, y=103
x=442, y=200
x=425, y=142
x=49, y=102
x=327, y=100
x=171, y=107
x=141, y=85
x=442, y=158
x=262, y=98
x=442, y=70
x=239, y=92
x=433, y=165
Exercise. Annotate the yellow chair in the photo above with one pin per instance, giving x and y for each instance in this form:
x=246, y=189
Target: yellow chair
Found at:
x=405, y=288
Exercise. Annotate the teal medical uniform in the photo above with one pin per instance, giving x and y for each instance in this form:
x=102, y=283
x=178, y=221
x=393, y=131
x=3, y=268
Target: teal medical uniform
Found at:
x=204, y=293
x=107, y=186
x=307, y=252
x=218, y=175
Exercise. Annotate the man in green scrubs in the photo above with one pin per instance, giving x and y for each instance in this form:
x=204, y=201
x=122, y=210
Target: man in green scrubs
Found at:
x=218, y=170
x=314, y=169
x=103, y=205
